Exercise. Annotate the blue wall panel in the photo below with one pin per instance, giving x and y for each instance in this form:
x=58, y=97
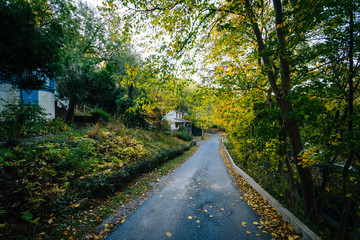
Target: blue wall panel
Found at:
x=30, y=96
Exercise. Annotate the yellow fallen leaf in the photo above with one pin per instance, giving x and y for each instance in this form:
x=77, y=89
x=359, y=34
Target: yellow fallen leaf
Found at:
x=65, y=232
x=211, y=216
x=198, y=221
x=248, y=232
x=122, y=221
x=327, y=189
x=190, y=217
x=255, y=223
x=258, y=235
x=234, y=204
x=168, y=234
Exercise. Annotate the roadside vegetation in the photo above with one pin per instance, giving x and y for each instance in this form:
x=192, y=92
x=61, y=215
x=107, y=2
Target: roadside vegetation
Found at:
x=47, y=180
x=281, y=78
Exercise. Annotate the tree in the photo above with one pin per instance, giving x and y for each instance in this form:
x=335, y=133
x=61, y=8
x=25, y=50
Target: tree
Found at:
x=337, y=57
x=80, y=72
x=186, y=22
x=29, y=43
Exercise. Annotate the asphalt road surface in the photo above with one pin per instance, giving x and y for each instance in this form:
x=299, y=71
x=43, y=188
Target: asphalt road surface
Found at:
x=199, y=201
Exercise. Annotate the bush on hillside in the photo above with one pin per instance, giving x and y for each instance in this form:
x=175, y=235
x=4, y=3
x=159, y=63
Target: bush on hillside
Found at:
x=183, y=136
x=184, y=133
x=100, y=115
x=63, y=174
x=21, y=120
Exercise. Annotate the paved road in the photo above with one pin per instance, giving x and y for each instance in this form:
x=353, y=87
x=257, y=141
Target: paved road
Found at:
x=200, y=201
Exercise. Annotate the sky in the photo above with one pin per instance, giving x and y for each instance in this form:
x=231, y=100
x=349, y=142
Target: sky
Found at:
x=94, y=2
x=142, y=48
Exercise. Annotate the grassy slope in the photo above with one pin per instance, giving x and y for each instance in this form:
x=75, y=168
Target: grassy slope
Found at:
x=45, y=182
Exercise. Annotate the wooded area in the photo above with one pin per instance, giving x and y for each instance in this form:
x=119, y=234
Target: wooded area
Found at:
x=281, y=78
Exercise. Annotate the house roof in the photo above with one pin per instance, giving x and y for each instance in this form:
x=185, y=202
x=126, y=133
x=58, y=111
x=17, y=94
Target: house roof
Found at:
x=181, y=120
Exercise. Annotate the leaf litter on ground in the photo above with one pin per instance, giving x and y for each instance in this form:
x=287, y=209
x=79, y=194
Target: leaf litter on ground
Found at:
x=271, y=220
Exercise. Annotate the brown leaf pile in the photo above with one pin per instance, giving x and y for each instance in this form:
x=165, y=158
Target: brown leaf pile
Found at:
x=272, y=222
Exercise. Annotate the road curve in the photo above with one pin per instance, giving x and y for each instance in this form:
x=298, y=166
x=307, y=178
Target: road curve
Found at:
x=199, y=201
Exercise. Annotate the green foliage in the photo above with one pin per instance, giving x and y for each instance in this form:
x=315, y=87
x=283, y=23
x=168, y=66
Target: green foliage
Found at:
x=60, y=175
x=183, y=135
x=100, y=115
x=37, y=34
x=27, y=120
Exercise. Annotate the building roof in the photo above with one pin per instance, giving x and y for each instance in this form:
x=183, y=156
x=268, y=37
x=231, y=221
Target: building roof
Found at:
x=181, y=120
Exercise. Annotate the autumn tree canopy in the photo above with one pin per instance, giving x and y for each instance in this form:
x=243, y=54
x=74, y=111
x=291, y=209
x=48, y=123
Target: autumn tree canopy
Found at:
x=287, y=60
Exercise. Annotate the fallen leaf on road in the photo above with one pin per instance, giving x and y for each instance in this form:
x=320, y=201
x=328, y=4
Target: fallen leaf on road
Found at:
x=168, y=234
x=190, y=217
x=272, y=221
x=198, y=221
x=211, y=216
x=248, y=232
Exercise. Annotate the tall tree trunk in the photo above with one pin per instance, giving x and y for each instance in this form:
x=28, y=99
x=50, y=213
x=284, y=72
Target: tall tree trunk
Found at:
x=70, y=111
x=282, y=140
x=289, y=123
x=345, y=226
x=307, y=186
x=294, y=201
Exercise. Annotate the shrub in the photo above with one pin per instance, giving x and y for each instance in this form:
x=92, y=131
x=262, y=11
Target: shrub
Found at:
x=184, y=136
x=100, y=115
x=20, y=120
x=56, y=125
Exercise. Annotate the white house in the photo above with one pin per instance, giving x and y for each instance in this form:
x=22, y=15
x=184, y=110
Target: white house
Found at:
x=44, y=97
x=176, y=119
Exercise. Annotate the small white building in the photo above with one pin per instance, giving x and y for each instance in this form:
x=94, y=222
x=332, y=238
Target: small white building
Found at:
x=176, y=119
x=44, y=97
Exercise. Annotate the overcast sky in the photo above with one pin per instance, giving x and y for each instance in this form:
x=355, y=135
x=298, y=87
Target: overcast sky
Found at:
x=94, y=2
